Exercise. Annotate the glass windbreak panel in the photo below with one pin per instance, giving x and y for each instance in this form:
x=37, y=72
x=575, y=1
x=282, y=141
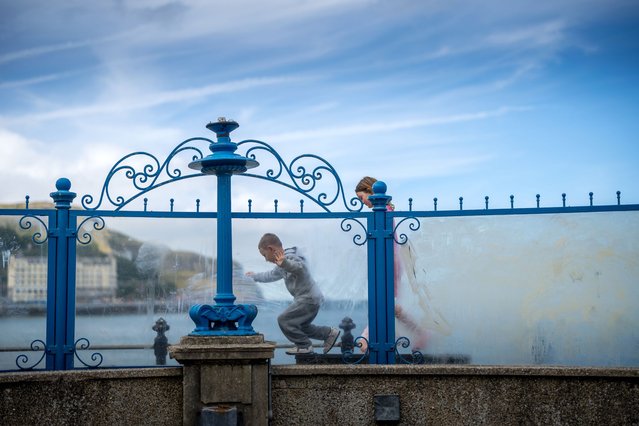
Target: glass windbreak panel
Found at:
x=135, y=282
x=336, y=264
x=558, y=289
x=23, y=292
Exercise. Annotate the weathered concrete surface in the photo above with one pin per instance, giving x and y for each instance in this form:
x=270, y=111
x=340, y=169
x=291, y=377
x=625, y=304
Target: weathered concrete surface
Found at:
x=92, y=397
x=456, y=395
x=334, y=395
x=225, y=371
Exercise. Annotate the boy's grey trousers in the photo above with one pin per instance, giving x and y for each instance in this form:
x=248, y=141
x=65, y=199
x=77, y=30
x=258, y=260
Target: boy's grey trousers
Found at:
x=295, y=323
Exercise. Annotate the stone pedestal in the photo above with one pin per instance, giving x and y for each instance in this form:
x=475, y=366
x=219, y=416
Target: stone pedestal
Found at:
x=225, y=371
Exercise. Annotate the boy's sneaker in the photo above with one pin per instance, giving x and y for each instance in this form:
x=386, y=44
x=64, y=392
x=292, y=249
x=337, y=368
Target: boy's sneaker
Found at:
x=331, y=339
x=297, y=350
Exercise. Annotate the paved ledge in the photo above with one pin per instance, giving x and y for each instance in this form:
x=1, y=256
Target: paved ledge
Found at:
x=83, y=375
x=453, y=370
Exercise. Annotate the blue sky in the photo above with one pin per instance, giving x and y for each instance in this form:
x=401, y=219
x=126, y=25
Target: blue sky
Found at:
x=439, y=99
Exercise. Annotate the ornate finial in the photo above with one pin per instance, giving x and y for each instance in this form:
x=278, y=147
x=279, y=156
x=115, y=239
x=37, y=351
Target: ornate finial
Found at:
x=62, y=198
x=486, y=198
x=379, y=187
x=461, y=203
x=223, y=160
x=512, y=201
x=538, y=196
x=563, y=199
x=379, y=199
x=618, y=198
x=63, y=184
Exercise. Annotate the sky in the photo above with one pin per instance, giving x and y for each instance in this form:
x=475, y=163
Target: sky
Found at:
x=438, y=99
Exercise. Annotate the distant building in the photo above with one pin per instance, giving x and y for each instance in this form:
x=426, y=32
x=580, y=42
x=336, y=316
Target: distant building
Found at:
x=202, y=287
x=96, y=279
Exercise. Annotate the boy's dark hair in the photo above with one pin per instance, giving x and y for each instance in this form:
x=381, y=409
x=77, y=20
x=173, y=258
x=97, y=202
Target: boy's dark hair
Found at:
x=269, y=239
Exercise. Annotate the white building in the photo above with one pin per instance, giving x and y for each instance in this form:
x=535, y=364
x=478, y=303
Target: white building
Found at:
x=96, y=279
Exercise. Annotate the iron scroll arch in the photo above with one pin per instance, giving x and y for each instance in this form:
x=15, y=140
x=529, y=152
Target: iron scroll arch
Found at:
x=146, y=172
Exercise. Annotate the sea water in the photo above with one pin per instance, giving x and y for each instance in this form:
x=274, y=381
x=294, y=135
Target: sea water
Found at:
x=136, y=329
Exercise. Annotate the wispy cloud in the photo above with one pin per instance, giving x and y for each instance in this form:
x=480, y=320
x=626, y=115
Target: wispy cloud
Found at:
x=53, y=48
x=152, y=99
x=392, y=125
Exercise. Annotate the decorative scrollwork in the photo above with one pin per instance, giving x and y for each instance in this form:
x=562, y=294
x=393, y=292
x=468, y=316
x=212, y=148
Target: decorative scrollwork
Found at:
x=26, y=224
x=414, y=225
x=85, y=238
x=349, y=356
x=416, y=358
x=22, y=359
x=84, y=344
x=302, y=177
x=150, y=176
x=358, y=239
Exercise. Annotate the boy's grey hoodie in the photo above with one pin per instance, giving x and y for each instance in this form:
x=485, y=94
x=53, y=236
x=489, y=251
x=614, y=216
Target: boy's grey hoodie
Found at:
x=298, y=280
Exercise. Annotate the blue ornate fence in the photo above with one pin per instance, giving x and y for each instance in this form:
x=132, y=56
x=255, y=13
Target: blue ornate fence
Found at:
x=380, y=230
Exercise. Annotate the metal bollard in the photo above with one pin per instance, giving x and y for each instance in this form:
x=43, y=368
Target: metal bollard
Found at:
x=348, y=342
x=161, y=343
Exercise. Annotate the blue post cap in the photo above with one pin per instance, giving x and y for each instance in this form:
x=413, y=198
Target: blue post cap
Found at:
x=222, y=127
x=223, y=159
x=379, y=187
x=379, y=199
x=62, y=198
x=63, y=184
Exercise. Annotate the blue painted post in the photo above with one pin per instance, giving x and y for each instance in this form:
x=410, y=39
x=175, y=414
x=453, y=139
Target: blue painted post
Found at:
x=381, y=297
x=60, y=346
x=224, y=294
x=224, y=318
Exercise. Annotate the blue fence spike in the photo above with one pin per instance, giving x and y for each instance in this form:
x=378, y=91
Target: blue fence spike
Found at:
x=250, y=202
x=618, y=198
x=461, y=203
x=590, y=194
x=512, y=201
x=301, y=206
x=563, y=199
x=197, y=205
x=26, y=202
x=410, y=204
x=275, y=203
x=172, y=202
x=435, y=203
x=538, y=196
x=486, y=198
x=146, y=201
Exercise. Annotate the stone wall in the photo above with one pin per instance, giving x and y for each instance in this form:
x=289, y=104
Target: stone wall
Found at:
x=146, y=396
x=455, y=395
x=337, y=395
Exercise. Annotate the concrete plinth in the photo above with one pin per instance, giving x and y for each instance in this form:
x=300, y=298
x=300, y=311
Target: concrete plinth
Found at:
x=225, y=371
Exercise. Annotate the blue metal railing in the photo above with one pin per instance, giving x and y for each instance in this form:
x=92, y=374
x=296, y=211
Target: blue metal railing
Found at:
x=380, y=230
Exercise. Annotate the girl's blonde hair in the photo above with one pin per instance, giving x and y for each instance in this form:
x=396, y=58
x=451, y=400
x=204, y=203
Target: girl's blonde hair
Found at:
x=366, y=185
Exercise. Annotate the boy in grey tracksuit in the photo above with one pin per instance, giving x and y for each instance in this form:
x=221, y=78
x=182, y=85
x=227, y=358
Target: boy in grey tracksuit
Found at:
x=296, y=320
